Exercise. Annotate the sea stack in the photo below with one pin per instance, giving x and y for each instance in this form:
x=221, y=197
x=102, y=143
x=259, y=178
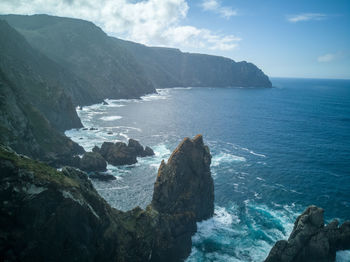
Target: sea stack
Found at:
x=311, y=240
x=50, y=215
x=183, y=195
x=184, y=183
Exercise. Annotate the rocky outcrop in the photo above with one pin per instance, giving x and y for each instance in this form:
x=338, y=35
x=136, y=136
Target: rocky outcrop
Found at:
x=311, y=240
x=119, y=153
x=92, y=161
x=102, y=176
x=191, y=188
x=48, y=215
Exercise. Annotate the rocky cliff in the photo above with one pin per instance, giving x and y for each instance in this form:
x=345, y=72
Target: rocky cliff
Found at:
x=50, y=215
x=33, y=106
x=311, y=240
x=123, y=69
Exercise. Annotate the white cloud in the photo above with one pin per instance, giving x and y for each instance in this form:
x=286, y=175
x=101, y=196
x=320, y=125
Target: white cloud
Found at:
x=151, y=22
x=326, y=58
x=215, y=6
x=306, y=17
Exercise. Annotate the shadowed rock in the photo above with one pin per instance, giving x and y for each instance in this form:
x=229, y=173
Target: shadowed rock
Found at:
x=48, y=215
x=184, y=183
x=102, y=177
x=120, y=153
x=311, y=240
x=92, y=161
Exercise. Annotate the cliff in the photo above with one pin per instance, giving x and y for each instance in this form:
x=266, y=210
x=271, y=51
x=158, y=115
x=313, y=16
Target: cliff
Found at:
x=123, y=69
x=311, y=240
x=33, y=105
x=50, y=215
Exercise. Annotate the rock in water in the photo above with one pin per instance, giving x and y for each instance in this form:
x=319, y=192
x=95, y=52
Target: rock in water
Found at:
x=118, y=154
x=148, y=151
x=102, y=177
x=123, y=154
x=311, y=240
x=48, y=215
x=184, y=183
x=93, y=161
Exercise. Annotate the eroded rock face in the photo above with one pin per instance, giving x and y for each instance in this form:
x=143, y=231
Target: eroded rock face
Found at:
x=120, y=153
x=311, y=240
x=184, y=183
x=183, y=195
x=48, y=215
x=93, y=161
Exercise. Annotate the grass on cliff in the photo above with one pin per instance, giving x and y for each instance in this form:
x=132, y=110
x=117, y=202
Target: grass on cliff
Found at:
x=41, y=171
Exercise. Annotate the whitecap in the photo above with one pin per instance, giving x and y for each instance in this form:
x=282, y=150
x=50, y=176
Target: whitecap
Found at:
x=343, y=256
x=225, y=158
x=110, y=118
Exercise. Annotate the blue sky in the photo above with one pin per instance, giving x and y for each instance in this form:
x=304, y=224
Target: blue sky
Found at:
x=284, y=38
x=315, y=44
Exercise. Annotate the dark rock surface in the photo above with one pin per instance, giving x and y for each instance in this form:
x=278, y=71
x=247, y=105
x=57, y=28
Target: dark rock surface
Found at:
x=48, y=215
x=119, y=153
x=193, y=190
x=148, y=151
x=102, y=177
x=92, y=161
x=311, y=240
x=123, y=69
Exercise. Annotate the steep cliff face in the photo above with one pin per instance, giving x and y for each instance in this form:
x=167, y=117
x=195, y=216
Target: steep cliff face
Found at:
x=169, y=67
x=33, y=108
x=38, y=80
x=121, y=69
x=311, y=240
x=47, y=215
x=85, y=50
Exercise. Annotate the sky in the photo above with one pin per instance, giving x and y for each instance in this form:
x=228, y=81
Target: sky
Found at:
x=294, y=38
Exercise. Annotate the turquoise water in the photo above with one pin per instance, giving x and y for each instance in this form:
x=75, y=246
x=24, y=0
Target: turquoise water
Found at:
x=275, y=151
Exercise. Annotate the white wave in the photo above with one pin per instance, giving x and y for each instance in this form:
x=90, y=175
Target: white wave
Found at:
x=225, y=158
x=343, y=256
x=182, y=88
x=252, y=152
x=161, y=94
x=114, y=188
x=160, y=152
x=110, y=118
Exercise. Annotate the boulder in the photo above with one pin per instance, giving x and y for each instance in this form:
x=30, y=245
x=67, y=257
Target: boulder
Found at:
x=148, y=152
x=118, y=154
x=135, y=146
x=311, y=240
x=92, y=161
x=102, y=177
x=138, y=148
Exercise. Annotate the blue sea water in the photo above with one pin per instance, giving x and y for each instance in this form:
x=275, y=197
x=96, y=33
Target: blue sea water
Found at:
x=274, y=152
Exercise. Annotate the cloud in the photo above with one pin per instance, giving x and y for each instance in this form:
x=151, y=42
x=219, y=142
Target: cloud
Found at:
x=215, y=6
x=151, y=22
x=327, y=58
x=306, y=17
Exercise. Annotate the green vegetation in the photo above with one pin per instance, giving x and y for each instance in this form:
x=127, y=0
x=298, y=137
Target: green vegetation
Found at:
x=40, y=170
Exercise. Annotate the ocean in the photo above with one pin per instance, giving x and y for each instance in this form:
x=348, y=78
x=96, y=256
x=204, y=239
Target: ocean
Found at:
x=274, y=152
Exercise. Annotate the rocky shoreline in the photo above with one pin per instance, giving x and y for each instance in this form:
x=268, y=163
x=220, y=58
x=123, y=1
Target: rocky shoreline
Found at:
x=48, y=215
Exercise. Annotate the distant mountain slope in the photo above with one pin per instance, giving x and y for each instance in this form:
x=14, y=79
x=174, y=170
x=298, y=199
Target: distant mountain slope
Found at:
x=33, y=105
x=121, y=69
x=169, y=67
x=84, y=49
